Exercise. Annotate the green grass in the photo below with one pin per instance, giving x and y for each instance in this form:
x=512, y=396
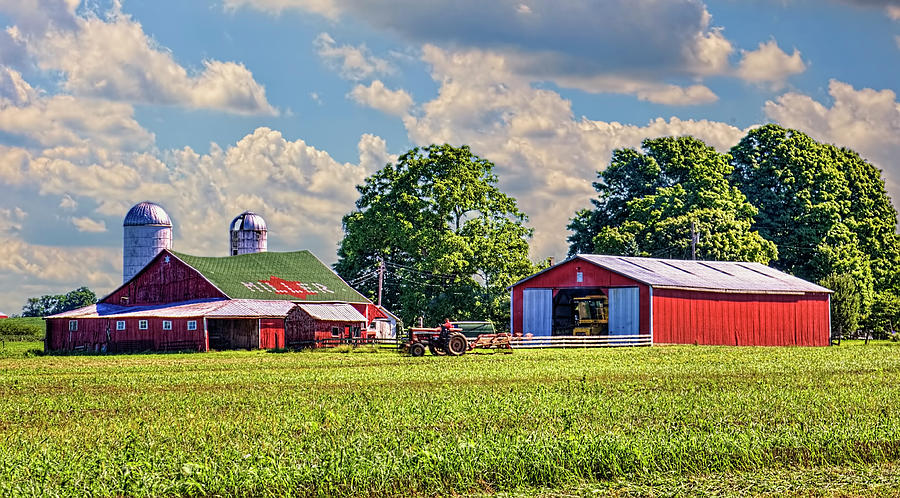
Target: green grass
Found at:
x=22, y=329
x=657, y=421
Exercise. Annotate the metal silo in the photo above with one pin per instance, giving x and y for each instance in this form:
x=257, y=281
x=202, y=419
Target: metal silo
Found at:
x=248, y=234
x=148, y=230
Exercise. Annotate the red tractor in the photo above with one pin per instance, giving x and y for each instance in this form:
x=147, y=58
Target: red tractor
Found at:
x=443, y=340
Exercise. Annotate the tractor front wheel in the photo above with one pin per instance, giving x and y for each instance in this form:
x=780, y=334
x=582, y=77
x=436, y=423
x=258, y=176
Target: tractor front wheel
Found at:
x=417, y=349
x=457, y=344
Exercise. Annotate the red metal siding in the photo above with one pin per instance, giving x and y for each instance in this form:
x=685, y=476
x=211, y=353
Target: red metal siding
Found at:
x=564, y=276
x=163, y=283
x=100, y=334
x=271, y=333
x=691, y=317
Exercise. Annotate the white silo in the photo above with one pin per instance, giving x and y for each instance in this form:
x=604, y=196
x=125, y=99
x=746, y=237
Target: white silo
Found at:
x=248, y=234
x=148, y=230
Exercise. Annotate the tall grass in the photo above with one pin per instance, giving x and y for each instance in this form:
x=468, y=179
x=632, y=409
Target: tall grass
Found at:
x=260, y=424
x=22, y=329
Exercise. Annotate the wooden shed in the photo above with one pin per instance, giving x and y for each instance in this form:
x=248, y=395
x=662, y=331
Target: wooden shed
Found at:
x=315, y=324
x=677, y=301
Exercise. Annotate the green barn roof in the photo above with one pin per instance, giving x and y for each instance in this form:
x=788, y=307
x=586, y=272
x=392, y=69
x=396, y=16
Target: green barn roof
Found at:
x=292, y=276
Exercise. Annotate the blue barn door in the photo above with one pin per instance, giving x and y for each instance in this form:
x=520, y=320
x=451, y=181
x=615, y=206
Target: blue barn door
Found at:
x=624, y=311
x=537, y=311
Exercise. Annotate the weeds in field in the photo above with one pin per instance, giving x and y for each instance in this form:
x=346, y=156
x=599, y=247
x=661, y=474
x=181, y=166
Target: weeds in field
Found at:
x=251, y=423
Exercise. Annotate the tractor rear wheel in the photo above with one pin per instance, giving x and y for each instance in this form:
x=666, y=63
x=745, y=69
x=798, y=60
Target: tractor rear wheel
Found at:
x=457, y=344
x=417, y=349
x=436, y=350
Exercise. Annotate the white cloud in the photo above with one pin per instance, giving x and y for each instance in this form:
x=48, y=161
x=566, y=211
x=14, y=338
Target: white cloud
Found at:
x=353, y=63
x=377, y=96
x=545, y=156
x=68, y=203
x=769, y=64
x=85, y=224
x=112, y=58
x=64, y=120
x=893, y=11
x=865, y=120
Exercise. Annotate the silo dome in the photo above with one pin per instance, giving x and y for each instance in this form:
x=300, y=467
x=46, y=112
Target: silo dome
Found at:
x=147, y=231
x=147, y=213
x=248, y=234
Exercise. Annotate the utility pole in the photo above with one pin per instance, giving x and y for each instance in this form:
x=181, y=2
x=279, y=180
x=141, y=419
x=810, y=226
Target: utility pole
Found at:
x=380, y=277
x=695, y=237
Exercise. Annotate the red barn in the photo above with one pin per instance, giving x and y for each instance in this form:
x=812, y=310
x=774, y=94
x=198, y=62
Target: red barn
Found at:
x=183, y=302
x=677, y=301
x=311, y=324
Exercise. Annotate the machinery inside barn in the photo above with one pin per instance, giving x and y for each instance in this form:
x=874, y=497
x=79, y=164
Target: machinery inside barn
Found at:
x=671, y=301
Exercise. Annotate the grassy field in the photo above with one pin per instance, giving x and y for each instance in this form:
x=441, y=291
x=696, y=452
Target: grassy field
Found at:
x=650, y=421
x=22, y=329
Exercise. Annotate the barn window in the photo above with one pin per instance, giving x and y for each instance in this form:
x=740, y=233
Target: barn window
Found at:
x=167, y=324
x=192, y=324
x=120, y=325
x=73, y=325
x=579, y=277
x=142, y=324
x=335, y=332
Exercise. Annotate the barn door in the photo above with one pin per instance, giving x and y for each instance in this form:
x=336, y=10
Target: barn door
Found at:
x=624, y=311
x=537, y=307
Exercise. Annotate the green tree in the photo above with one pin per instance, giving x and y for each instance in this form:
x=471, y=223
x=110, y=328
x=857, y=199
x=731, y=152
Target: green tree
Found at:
x=649, y=201
x=846, y=303
x=825, y=207
x=450, y=240
x=52, y=304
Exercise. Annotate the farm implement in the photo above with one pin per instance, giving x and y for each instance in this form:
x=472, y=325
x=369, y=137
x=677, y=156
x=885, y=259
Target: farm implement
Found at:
x=450, y=340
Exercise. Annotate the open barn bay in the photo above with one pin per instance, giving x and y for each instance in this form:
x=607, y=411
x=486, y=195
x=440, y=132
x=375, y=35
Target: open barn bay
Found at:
x=624, y=421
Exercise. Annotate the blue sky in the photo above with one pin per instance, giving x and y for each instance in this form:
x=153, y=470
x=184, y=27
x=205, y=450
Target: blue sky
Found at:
x=282, y=106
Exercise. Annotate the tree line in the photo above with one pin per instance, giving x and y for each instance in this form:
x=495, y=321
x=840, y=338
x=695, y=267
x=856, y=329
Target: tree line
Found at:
x=448, y=242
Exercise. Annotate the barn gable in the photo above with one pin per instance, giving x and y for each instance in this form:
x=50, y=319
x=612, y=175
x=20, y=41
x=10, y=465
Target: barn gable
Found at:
x=166, y=279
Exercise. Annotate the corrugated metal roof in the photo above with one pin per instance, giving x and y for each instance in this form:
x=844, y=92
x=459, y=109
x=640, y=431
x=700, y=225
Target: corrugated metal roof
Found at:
x=221, y=308
x=727, y=276
x=333, y=312
x=252, y=308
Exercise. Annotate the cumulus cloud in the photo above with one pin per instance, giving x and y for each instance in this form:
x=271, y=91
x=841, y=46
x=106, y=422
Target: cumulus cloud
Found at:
x=545, y=155
x=377, y=96
x=68, y=203
x=865, y=120
x=112, y=58
x=769, y=64
x=85, y=224
x=64, y=120
x=353, y=63
x=893, y=11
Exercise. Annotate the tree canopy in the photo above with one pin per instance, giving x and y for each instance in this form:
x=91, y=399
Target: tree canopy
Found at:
x=817, y=211
x=451, y=241
x=649, y=200
x=52, y=304
x=825, y=207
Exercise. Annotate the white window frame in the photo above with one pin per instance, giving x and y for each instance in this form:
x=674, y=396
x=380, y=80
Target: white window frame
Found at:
x=143, y=324
x=120, y=324
x=73, y=325
x=192, y=325
x=167, y=324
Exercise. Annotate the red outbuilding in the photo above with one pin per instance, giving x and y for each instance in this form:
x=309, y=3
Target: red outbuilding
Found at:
x=310, y=324
x=677, y=301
